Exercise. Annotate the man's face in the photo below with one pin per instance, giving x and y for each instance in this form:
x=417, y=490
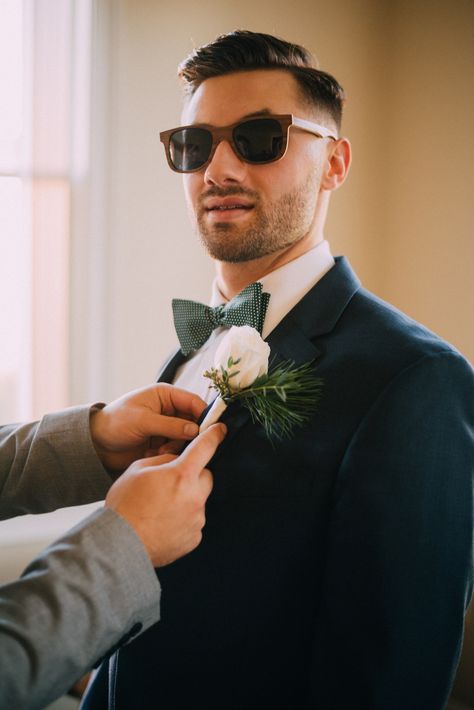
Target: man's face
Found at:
x=242, y=211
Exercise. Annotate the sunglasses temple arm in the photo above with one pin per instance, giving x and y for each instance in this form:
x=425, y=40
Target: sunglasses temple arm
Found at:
x=314, y=128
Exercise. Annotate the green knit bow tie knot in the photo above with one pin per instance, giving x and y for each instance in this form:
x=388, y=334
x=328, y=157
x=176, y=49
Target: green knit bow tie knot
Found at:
x=194, y=322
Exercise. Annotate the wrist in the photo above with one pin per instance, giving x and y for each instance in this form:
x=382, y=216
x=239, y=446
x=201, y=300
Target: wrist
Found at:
x=97, y=430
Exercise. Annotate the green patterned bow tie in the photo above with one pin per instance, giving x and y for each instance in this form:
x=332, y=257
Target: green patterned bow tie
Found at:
x=194, y=322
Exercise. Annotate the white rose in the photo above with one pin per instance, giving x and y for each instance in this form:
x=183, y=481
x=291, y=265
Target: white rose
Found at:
x=243, y=343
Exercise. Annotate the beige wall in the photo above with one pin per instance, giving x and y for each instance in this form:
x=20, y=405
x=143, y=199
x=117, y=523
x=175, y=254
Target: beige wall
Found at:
x=427, y=240
x=403, y=217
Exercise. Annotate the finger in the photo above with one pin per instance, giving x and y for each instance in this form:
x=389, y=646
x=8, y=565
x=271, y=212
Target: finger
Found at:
x=171, y=447
x=175, y=400
x=169, y=427
x=151, y=453
x=202, y=449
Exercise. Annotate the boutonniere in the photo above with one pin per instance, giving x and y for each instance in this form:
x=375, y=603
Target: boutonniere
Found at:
x=279, y=400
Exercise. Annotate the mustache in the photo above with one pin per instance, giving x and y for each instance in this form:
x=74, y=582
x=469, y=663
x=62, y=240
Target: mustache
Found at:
x=231, y=191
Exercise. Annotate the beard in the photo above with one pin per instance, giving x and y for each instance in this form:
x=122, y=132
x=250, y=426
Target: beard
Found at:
x=279, y=225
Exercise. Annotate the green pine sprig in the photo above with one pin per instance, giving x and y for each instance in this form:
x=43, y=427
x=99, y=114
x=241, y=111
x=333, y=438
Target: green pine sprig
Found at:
x=279, y=401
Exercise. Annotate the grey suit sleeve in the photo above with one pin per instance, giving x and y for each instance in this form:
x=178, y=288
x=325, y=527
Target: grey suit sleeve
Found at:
x=87, y=593
x=399, y=574
x=49, y=464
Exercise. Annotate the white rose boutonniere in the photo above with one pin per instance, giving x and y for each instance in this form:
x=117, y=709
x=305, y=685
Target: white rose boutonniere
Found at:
x=249, y=355
x=279, y=400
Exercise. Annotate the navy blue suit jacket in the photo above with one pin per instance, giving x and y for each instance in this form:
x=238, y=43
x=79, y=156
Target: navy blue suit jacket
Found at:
x=335, y=568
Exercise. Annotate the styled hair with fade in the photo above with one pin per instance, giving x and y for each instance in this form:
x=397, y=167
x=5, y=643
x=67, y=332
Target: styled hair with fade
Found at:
x=243, y=50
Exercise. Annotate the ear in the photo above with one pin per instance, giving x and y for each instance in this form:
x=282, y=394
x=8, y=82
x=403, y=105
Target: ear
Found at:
x=337, y=164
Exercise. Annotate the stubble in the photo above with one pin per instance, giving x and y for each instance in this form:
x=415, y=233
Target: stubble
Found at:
x=275, y=227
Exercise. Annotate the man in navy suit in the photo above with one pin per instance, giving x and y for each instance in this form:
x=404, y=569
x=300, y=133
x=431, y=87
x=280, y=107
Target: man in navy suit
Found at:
x=336, y=567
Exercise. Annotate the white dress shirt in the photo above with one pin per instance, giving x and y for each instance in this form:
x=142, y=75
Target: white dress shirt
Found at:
x=286, y=286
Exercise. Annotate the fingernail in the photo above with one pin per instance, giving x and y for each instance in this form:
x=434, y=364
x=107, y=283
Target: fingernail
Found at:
x=191, y=429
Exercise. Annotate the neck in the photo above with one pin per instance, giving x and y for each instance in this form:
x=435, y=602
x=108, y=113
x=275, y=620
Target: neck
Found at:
x=232, y=278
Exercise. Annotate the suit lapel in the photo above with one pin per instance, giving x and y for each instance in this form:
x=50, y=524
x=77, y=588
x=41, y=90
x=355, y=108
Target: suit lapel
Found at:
x=319, y=311
x=298, y=336
x=170, y=366
x=286, y=343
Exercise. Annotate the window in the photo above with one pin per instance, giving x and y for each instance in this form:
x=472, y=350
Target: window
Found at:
x=44, y=156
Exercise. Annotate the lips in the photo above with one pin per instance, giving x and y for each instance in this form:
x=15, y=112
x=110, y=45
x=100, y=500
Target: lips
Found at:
x=227, y=203
x=230, y=207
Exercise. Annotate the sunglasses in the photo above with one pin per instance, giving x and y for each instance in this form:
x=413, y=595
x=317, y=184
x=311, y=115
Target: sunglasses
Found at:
x=256, y=140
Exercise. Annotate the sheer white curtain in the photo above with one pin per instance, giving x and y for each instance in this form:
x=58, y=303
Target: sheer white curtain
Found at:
x=44, y=152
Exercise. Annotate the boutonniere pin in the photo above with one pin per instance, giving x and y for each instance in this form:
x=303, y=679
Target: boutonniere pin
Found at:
x=279, y=400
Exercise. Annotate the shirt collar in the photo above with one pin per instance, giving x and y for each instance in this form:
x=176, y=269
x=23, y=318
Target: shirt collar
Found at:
x=288, y=284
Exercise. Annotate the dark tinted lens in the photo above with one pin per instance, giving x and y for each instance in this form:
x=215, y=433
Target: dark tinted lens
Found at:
x=190, y=148
x=259, y=140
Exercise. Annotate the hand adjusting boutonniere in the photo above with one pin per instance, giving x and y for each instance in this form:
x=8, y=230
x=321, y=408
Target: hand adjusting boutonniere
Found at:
x=279, y=400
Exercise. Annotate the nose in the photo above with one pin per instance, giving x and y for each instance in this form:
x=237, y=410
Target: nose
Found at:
x=225, y=167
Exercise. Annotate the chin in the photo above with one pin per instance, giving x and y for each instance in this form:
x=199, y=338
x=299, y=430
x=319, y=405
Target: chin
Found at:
x=229, y=256
x=238, y=254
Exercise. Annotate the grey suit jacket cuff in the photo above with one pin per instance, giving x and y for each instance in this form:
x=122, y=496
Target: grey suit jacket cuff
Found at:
x=50, y=464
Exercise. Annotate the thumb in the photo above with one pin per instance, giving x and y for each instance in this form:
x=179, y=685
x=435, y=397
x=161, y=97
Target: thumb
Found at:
x=201, y=450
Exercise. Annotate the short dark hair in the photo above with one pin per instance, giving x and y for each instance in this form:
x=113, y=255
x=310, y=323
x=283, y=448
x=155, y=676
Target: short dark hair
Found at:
x=243, y=50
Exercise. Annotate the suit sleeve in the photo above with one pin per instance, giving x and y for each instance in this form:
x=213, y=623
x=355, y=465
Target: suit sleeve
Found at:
x=400, y=566
x=49, y=464
x=84, y=596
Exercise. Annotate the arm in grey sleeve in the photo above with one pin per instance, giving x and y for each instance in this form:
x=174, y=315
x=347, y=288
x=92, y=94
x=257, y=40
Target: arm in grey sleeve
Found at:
x=82, y=597
x=50, y=464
